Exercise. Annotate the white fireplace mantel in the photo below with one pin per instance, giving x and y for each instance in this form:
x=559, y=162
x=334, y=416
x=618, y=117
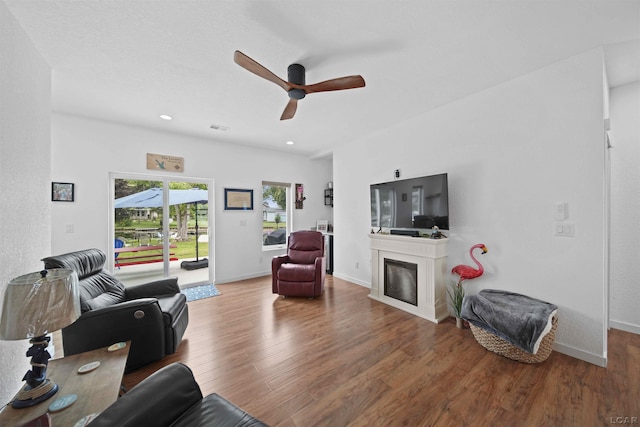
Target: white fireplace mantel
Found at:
x=430, y=255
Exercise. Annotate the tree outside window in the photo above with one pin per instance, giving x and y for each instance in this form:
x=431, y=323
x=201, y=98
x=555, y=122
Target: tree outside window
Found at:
x=274, y=214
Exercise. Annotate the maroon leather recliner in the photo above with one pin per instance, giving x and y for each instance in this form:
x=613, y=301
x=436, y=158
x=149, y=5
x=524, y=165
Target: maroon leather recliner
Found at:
x=301, y=271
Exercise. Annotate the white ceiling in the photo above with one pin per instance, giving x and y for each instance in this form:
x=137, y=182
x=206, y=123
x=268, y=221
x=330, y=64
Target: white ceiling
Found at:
x=131, y=60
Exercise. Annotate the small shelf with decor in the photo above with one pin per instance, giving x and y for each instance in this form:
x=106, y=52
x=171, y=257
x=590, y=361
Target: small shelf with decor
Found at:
x=328, y=197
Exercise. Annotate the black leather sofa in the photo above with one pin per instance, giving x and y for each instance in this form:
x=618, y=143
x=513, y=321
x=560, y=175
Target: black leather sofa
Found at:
x=171, y=397
x=154, y=316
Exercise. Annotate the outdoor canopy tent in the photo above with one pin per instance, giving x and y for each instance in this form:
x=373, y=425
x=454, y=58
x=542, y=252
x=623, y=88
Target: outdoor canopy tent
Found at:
x=152, y=198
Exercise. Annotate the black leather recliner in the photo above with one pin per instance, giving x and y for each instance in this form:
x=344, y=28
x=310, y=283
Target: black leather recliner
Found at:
x=154, y=316
x=171, y=397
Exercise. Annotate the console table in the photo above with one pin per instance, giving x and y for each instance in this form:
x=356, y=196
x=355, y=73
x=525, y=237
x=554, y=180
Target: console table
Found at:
x=429, y=256
x=96, y=390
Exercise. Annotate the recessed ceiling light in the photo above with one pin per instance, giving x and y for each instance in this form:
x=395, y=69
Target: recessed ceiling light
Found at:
x=166, y=117
x=289, y=142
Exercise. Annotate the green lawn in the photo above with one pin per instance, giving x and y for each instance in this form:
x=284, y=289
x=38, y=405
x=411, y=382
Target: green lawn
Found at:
x=184, y=250
x=188, y=249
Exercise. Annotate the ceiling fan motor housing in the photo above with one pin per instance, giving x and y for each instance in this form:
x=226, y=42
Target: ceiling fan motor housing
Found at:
x=296, y=75
x=296, y=86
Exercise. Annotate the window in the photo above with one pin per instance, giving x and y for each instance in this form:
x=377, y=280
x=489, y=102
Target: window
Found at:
x=275, y=209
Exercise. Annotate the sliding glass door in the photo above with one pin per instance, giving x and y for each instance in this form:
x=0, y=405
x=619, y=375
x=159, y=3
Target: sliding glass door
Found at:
x=160, y=228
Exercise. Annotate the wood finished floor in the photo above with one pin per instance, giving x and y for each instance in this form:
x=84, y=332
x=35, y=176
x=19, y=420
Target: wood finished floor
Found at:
x=347, y=360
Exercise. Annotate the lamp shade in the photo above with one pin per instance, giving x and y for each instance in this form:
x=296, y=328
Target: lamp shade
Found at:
x=39, y=303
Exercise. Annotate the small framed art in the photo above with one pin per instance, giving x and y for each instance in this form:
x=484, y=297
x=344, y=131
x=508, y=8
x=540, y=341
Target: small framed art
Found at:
x=322, y=225
x=238, y=200
x=62, y=191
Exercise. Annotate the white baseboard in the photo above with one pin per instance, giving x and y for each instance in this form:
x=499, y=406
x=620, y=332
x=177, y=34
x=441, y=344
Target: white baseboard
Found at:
x=242, y=277
x=594, y=359
x=624, y=326
x=352, y=280
x=268, y=273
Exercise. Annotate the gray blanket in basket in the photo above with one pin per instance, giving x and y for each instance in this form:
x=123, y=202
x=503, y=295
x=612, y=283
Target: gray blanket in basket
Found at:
x=518, y=319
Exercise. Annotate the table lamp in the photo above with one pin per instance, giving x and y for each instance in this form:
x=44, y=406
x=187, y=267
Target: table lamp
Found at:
x=35, y=305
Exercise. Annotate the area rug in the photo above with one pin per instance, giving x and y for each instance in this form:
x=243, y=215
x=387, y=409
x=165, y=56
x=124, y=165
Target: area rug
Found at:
x=200, y=292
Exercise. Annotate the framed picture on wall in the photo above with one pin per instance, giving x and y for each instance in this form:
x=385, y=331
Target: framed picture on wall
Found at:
x=238, y=199
x=62, y=191
x=322, y=225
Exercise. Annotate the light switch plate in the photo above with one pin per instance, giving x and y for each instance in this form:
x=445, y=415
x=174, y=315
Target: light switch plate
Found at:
x=560, y=211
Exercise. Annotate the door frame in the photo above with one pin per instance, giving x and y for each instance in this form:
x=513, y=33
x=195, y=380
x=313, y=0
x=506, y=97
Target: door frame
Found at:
x=165, y=179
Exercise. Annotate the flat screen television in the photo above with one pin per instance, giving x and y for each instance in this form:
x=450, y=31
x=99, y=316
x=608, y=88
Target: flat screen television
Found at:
x=411, y=203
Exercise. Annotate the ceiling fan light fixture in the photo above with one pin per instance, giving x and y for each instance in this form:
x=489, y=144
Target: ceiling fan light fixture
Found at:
x=289, y=143
x=296, y=93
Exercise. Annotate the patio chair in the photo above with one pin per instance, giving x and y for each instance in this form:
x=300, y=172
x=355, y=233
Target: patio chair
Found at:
x=118, y=243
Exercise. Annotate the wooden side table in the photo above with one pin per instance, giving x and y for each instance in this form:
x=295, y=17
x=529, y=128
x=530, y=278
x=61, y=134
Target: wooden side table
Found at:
x=96, y=390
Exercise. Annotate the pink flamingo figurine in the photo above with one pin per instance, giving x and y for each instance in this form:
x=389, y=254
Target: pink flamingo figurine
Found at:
x=468, y=272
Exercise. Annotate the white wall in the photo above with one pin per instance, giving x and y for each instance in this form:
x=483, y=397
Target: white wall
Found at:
x=84, y=151
x=511, y=152
x=625, y=207
x=25, y=96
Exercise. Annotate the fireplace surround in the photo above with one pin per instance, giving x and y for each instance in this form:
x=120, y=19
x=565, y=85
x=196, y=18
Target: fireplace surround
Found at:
x=430, y=258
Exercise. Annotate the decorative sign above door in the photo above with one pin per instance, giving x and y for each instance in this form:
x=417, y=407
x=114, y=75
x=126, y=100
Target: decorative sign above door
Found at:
x=166, y=163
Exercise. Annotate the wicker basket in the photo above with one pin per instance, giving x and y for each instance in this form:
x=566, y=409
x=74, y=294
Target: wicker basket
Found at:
x=499, y=346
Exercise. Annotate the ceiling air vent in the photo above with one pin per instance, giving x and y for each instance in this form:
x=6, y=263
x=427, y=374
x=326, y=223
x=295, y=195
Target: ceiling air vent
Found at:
x=219, y=127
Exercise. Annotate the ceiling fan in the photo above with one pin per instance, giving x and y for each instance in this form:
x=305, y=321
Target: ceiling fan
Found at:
x=296, y=87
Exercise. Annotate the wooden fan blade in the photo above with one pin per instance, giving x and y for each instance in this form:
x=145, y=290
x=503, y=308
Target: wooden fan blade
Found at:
x=290, y=109
x=249, y=64
x=349, y=82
